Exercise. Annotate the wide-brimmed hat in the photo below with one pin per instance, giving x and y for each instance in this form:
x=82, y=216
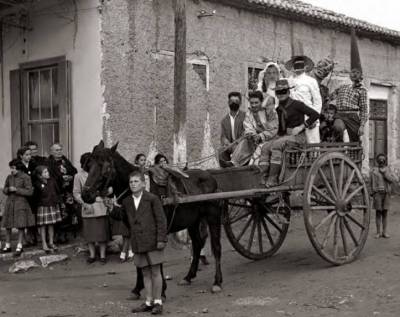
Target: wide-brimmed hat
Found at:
x=299, y=60
x=282, y=84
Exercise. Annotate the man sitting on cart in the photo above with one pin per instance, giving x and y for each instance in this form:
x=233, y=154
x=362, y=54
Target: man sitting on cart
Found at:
x=291, y=130
x=260, y=125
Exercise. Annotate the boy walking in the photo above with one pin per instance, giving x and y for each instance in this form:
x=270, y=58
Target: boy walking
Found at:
x=144, y=216
x=381, y=179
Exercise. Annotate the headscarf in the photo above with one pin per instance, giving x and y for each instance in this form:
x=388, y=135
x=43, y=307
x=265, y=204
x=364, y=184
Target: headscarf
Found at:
x=261, y=75
x=269, y=86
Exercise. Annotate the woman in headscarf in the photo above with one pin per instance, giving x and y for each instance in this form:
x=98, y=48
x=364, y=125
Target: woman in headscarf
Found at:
x=266, y=82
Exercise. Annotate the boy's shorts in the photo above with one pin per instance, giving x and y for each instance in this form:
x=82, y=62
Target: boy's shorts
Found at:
x=381, y=201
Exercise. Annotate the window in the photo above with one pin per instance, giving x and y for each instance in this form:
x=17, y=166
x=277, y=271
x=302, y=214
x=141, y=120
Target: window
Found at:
x=252, y=75
x=43, y=104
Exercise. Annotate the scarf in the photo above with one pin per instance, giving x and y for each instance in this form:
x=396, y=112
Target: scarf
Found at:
x=159, y=175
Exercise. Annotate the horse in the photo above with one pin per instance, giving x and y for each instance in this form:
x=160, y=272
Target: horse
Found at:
x=108, y=168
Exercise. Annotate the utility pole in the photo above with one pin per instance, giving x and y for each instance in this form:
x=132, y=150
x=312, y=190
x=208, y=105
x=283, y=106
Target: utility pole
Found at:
x=180, y=153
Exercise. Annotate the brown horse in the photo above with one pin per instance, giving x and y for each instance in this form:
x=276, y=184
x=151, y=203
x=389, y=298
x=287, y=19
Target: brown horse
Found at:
x=108, y=168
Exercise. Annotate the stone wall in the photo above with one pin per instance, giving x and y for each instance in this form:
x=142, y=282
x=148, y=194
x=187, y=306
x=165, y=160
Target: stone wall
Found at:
x=138, y=45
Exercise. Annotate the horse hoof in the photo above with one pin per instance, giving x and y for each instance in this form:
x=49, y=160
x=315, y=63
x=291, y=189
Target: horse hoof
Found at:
x=184, y=283
x=216, y=289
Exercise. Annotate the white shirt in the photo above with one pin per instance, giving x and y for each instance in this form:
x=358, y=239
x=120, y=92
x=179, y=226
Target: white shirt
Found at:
x=233, y=124
x=136, y=200
x=306, y=89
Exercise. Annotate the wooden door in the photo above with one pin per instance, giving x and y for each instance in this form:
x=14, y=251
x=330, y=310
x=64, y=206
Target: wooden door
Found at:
x=378, y=129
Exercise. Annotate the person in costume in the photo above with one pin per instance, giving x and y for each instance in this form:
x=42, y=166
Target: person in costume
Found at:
x=260, y=125
x=266, y=82
x=352, y=99
x=305, y=87
x=323, y=68
x=292, y=128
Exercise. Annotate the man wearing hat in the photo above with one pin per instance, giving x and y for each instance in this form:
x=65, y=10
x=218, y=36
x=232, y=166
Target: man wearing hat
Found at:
x=352, y=99
x=292, y=128
x=305, y=88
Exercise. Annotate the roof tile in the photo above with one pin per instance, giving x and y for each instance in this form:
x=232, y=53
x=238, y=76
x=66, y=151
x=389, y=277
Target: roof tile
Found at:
x=306, y=9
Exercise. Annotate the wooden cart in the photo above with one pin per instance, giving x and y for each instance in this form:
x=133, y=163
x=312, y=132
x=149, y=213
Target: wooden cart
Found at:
x=333, y=194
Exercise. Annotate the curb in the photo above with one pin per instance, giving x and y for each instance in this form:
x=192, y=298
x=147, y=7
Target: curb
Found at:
x=32, y=253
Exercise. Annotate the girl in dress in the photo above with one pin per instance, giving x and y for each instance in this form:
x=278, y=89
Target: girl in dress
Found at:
x=17, y=212
x=48, y=200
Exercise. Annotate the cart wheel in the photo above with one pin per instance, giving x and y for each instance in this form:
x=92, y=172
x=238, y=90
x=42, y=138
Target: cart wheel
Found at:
x=336, y=208
x=255, y=227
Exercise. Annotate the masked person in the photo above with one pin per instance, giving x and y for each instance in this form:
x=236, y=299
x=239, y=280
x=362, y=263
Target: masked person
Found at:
x=381, y=180
x=305, y=88
x=292, y=130
x=323, y=68
x=352, y=99
x=231, y=129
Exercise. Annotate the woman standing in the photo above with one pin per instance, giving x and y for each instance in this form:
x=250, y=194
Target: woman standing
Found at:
x=267, y=81
x=24, y=155
x=95, y=219
x=17, y=212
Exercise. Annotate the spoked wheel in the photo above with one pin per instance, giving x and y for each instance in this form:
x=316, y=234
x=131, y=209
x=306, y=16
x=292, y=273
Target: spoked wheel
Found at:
x=255, y=227
x=336, y=208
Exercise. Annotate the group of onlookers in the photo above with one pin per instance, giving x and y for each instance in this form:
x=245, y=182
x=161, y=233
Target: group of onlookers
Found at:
x=39, y=198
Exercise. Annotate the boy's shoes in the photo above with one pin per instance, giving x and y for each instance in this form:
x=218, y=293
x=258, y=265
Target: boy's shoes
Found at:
x=90, y=260
x=157, y=309
x=6, y=250
x=377, y=236
x=385, y=235
x=18, y=252
x=143, y=308
x=103, y=261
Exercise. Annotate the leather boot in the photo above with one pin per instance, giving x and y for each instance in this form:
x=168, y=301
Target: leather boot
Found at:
x=264, y=168
x=274, y=171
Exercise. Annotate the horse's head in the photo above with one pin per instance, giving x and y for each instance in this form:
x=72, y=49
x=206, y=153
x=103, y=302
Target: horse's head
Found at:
x=101, y=172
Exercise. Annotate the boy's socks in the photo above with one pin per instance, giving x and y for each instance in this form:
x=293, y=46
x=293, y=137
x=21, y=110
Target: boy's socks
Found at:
x=158, y=301
x=122, y=256
x=148, y=302
x=130, y=254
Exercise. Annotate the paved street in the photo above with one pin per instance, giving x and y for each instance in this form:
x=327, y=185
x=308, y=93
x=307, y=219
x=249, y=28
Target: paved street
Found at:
x=295, y=282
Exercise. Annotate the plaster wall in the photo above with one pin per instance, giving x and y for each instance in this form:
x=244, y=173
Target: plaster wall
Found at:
x=57, y=32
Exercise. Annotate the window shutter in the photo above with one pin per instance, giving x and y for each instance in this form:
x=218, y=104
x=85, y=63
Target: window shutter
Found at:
x=15, y=103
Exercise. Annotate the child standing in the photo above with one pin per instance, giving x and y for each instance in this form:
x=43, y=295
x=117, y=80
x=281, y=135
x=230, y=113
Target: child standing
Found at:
x=17, y=212
x=381, y=179
x=145, y=218
x=48, y=200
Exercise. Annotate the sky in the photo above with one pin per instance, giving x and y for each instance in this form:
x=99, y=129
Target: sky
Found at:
x=381, y=12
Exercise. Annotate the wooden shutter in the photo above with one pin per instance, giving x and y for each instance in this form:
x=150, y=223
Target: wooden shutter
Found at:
x=15, y=103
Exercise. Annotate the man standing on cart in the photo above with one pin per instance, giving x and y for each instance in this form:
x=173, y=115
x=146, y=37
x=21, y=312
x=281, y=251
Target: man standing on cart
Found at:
x=352, y=99
x=292, y=128
x=305, y=87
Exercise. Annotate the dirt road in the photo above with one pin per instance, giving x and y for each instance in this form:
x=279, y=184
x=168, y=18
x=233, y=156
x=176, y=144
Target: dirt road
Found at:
x=295, y=282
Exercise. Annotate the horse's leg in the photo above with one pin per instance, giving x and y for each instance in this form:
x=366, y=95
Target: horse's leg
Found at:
x=197, y=245
x=164, y=283
x=214, y=225
x=139, y=283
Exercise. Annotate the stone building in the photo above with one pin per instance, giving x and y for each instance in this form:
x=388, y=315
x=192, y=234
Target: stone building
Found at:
x=86, y=69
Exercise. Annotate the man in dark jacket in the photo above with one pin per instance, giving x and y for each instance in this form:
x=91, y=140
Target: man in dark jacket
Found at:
x=291, y=129
x=231, y=128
